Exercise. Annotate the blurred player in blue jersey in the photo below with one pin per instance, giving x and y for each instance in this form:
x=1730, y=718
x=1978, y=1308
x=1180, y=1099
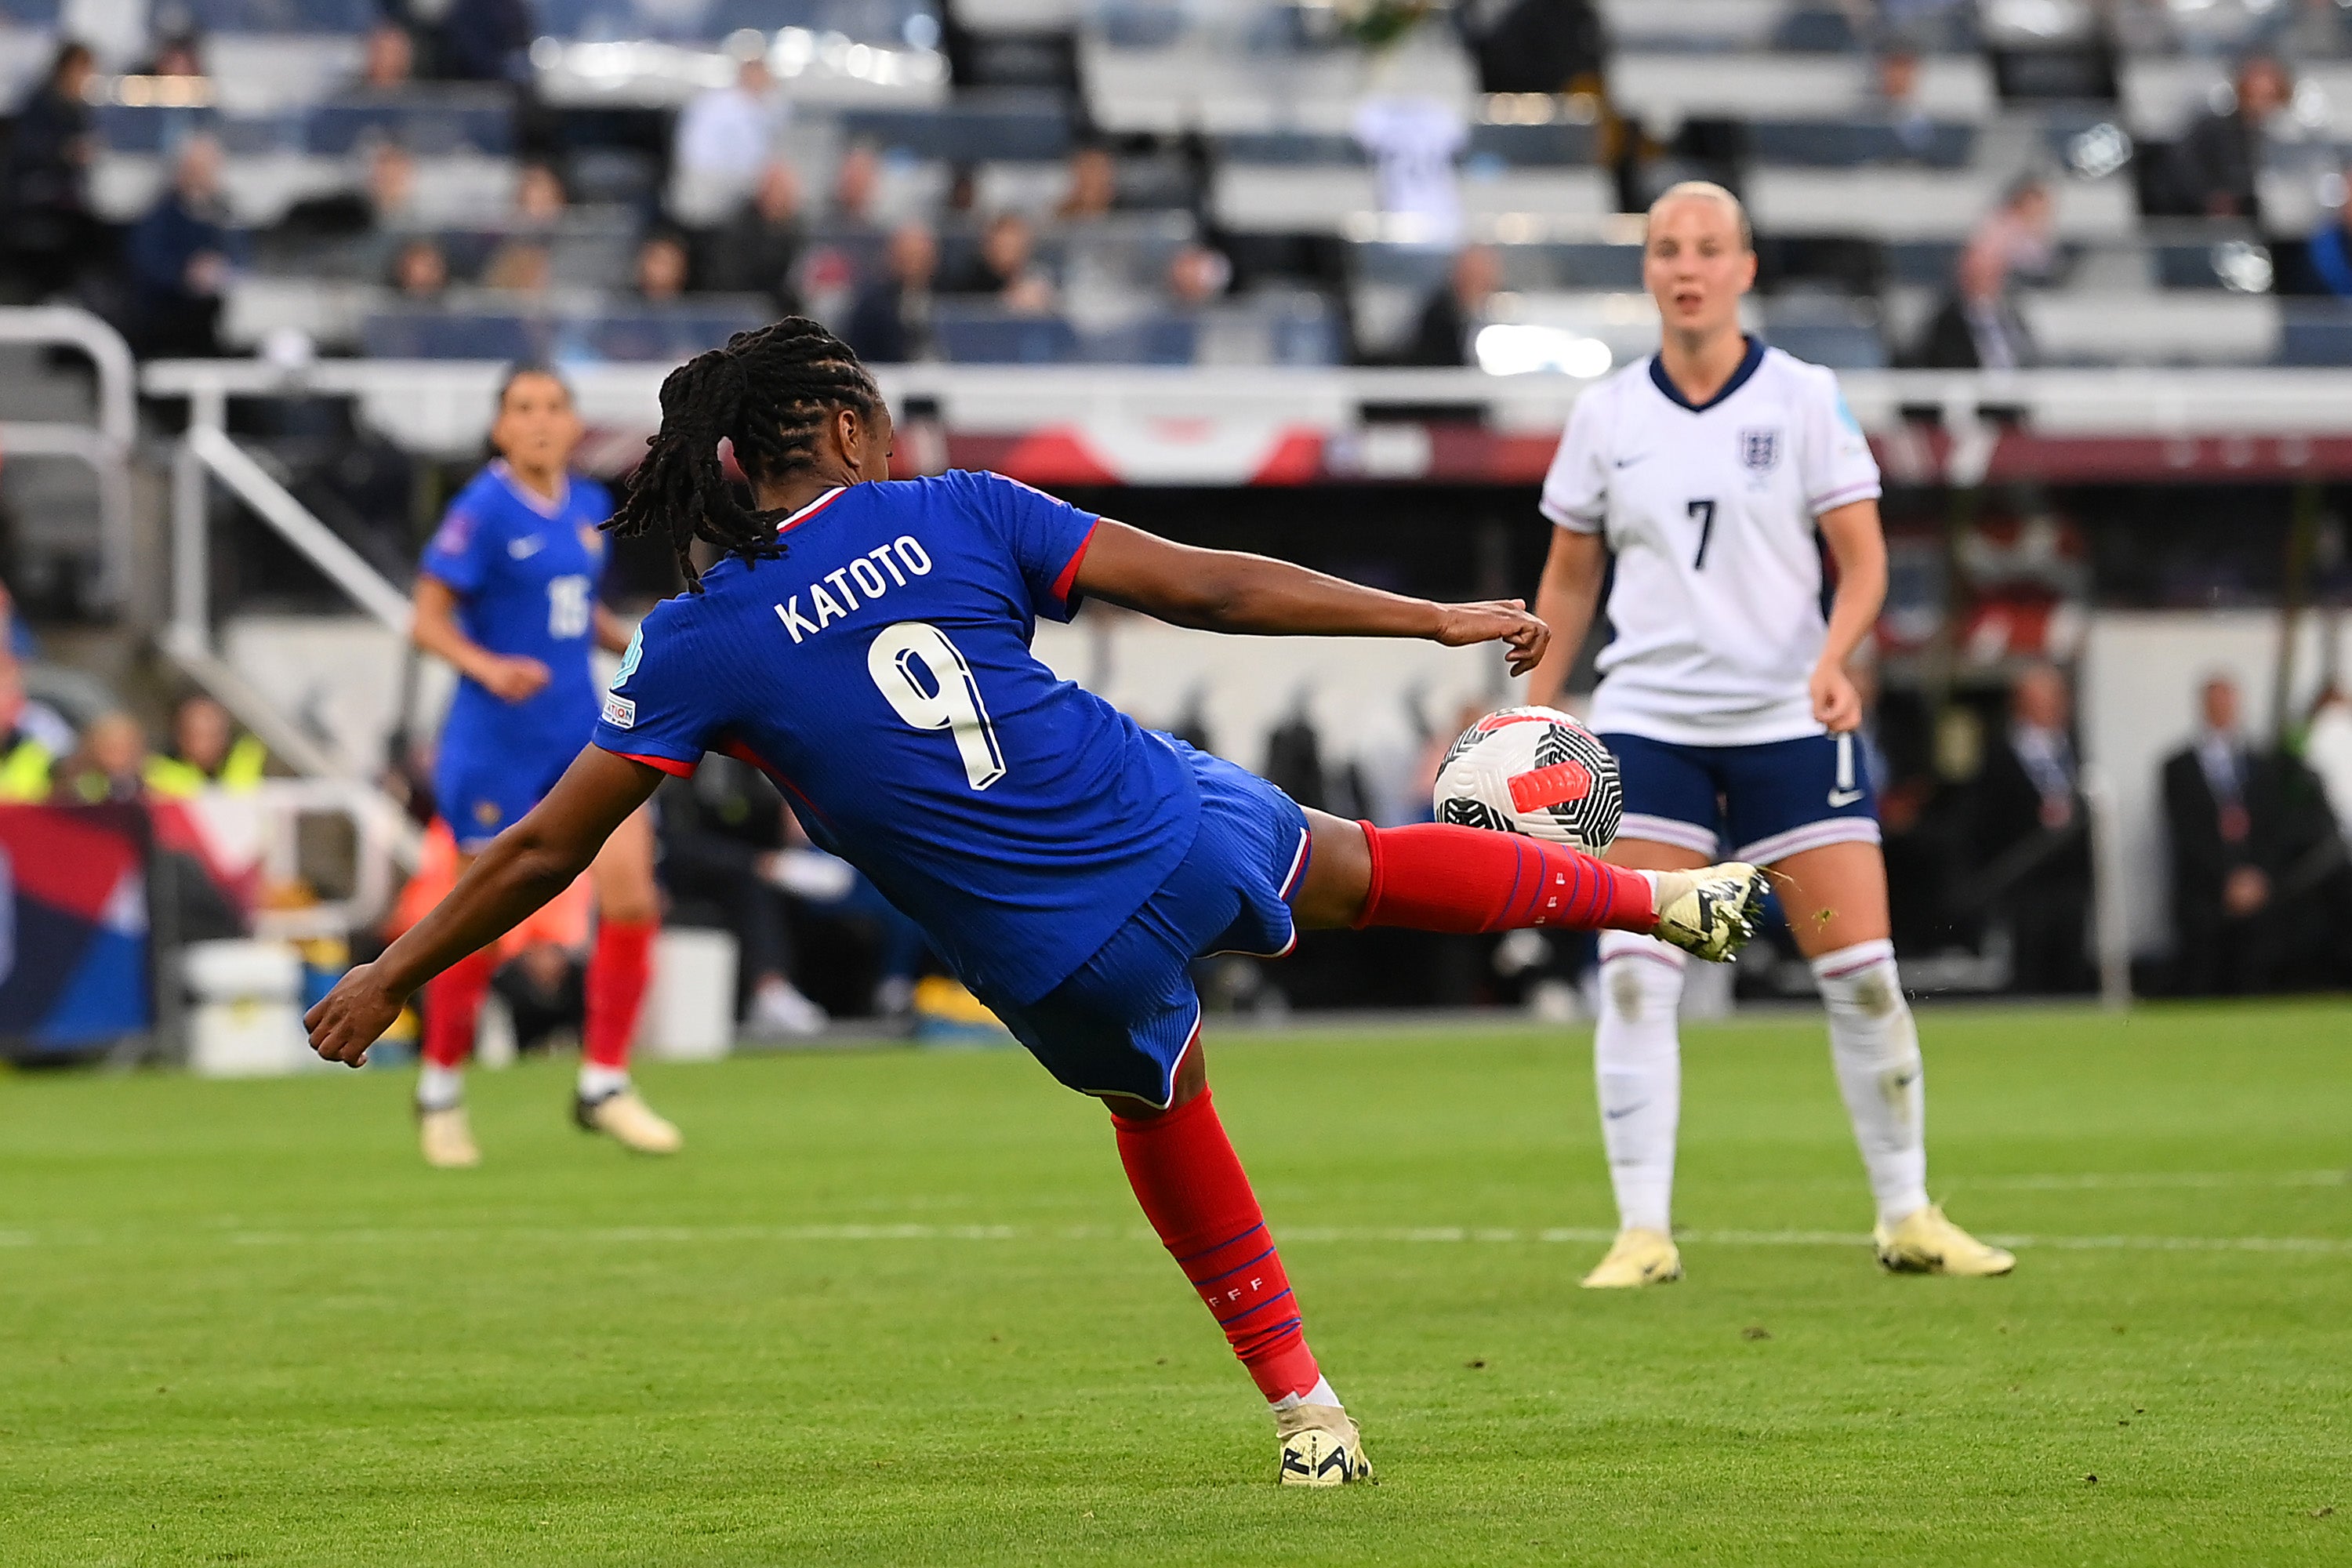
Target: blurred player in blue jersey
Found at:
x=865, y=644
x=508, y=593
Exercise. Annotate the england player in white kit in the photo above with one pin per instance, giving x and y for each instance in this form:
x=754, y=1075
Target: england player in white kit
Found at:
x=1707, y=470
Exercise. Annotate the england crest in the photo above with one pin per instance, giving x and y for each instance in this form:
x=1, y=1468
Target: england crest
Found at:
x=1759, y=450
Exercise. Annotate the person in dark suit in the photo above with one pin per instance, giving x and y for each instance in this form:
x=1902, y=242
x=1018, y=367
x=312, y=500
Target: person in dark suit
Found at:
x=1453, y=310
x=1978, y=327
x=890, y=321
x=2030, y=836
x=2224, y=822
x=2215, y=166
x=44, y=179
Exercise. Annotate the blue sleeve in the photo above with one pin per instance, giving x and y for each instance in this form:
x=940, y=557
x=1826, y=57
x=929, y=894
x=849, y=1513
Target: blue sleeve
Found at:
x=1048, y=538
x=460, y=552
x=658, y=710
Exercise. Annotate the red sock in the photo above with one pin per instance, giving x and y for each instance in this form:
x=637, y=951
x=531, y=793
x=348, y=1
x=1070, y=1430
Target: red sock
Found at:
x=1191, y=1184
x=1437, y=877
x=453, y=999
x=618, y=971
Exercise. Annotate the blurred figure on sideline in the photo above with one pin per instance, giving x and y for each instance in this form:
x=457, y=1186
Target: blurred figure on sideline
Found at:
x=756, y=250
x=1455, y=309
x=2031, y=836
x=45, y=186
x=661, y=271
x=389, y=61
x=2023, y=231
x=2223, y=818
x=856, y=183
x=726, y=135
x=33, y=737
x=2215, y=165
x=179, y=256
x=1978, y=327
x=1006, y=267
x=1197, y=277
x=420, y=272
x=891, y=321
x=1094, y=185
x=108, y=767
x=206, y=750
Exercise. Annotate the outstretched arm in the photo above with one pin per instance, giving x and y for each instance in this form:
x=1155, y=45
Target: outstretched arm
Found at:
x=524, y=867
x=1226, y=591
x=1566, y=599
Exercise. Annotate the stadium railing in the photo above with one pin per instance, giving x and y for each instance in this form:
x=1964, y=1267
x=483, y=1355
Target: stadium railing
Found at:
x=102, y=445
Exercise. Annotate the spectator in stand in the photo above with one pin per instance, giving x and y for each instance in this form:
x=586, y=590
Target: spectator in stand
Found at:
x=420, y=272
x=50, y=228
x=1897, y=89
x=2327, y=752
x=755, y=252
x=33, y=737
x=1978, y=327
x=1006, y=267
x=891, y=321
x=522, y=263
x=486, y=40
x=180, y=54
x=662, y=269
x=1094, y=185
x=387, y=202
x=1535, y=45
x=1453, y=310
x=726, y=136
x=2224, y=820
x=1198, y=277
x=108, y=766
x=2329, y=252
x=2022, y=230
x=206, y=752
x=856, y=183
x=388, y=64
x=2215, y=164
x=2030, y=836
x=180, y=258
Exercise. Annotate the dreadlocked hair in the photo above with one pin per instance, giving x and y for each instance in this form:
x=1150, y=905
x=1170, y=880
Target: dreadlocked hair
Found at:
x=769, y=393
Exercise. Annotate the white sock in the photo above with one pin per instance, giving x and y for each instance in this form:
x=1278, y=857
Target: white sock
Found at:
x=1637, y=1064
x=1875, y=1048
x=1321, y=1393
x=596, y=1082
x=439, y=1088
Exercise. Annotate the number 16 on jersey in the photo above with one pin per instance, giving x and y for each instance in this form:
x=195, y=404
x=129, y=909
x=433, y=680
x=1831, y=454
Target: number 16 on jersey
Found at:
x=950, y=699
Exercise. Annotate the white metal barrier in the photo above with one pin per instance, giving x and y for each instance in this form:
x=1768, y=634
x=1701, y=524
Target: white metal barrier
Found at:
x=104, y=446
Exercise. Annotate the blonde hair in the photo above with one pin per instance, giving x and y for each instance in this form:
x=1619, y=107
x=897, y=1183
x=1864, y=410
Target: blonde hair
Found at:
x=1707, y=190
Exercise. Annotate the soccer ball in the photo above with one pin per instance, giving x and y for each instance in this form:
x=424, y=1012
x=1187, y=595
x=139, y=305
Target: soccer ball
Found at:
x=1534, y=770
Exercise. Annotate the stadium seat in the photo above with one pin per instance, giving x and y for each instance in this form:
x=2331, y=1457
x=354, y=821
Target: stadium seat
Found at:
x=2079, y=327
x=435, y=334
x=1921, y=204
x=1023, y=126
x=1262, y=198
x=1199, y=84
x=2161, y=94
x=1848, y=144
x=1665, y=90
x=983, y=334
x=1841, y=333
x=2316, y=333
x=281, y=15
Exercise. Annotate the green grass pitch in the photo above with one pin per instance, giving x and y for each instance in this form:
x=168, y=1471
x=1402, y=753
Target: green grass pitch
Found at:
x=899, y=1307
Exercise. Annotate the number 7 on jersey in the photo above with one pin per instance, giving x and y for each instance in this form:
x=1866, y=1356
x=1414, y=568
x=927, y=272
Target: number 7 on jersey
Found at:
x=1703, y=511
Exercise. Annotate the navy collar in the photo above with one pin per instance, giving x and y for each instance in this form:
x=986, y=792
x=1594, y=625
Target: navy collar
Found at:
x=1665, y=384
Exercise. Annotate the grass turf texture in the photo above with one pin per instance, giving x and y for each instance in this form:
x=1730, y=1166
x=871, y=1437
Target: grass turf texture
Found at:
x=899, y=1307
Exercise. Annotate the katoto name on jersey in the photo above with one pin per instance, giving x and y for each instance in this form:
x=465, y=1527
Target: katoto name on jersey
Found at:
x=866, y=578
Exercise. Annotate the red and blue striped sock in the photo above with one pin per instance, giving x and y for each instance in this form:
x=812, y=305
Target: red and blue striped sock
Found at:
x=1191, y=1184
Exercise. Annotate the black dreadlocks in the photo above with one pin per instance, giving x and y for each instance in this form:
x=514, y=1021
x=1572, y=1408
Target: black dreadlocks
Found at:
x=769, y=392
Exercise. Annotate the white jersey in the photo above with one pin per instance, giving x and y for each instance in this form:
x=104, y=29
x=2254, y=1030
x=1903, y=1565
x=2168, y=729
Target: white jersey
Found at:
x=1710, y=509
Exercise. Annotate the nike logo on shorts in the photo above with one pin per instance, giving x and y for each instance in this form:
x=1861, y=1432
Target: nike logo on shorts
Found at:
x=1620, y=1115
x=1844, y=796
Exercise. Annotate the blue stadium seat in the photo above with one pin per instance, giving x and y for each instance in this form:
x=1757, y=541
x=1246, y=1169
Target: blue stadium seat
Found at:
x=983, y=334
x=125, y=128
x=1288, y=147
x=1028, y=128
x=1849, y=144
x=284, y=15
x=435, y=334
x=424, y=125
x=1153, y=339
x=2316, y=333
x=32, y=12
x=655, y=336
x=1563, y=142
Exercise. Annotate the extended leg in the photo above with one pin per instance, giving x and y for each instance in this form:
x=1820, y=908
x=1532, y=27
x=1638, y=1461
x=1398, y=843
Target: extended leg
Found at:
x=1193, y=1189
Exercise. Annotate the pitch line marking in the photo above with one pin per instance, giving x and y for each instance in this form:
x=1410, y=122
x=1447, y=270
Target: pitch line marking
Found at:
x=1299, y=1235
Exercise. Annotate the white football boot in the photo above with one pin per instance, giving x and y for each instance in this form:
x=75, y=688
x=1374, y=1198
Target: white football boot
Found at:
x=1321, y=1447
x=1711, y=912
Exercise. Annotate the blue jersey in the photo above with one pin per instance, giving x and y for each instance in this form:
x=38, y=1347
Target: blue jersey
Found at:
x=880, y=673
x=526, y=572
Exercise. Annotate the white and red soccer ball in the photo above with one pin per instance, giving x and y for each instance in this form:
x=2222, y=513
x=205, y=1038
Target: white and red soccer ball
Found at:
x=1534, y=770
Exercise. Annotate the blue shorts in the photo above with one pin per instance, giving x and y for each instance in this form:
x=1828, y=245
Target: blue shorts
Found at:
x=1124, y=1018
x=1765, y=802
x=482, y=790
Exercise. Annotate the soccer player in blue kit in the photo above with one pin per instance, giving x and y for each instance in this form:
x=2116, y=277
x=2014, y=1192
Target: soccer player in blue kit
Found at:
x=507, y=593
x=865, y=643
